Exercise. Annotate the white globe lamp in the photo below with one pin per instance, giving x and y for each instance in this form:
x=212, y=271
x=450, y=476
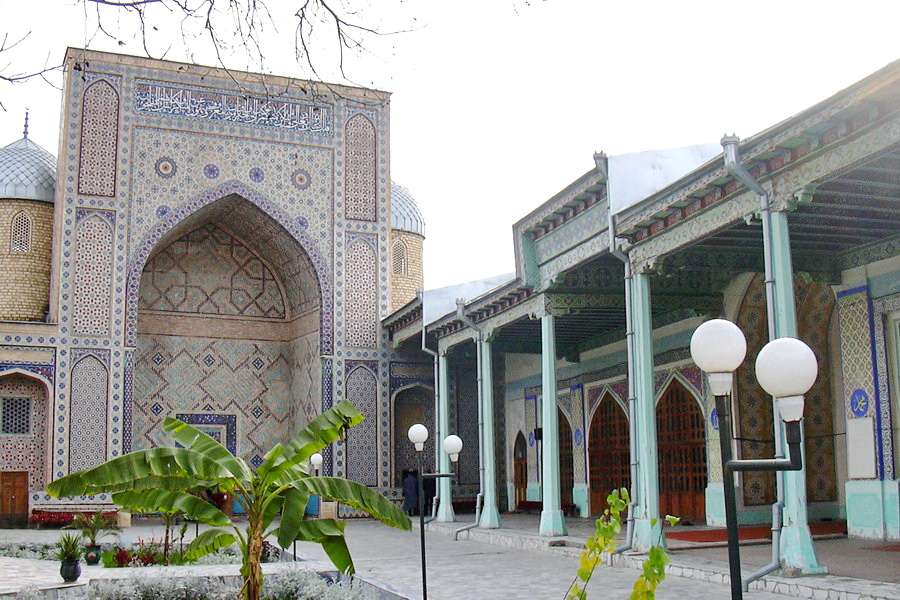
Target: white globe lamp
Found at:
x=787, y=368
x=453, y=446
x=316, y=461
x=417, y=434
x=718, y=347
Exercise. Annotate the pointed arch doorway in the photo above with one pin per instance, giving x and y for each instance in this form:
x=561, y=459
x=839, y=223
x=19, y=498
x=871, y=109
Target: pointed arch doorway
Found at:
x=566, y=463
x=608, y=452
x=520, y=469
x=682, y=454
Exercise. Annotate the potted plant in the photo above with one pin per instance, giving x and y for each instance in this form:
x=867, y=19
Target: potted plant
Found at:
x=69, y=551
x=92, y=528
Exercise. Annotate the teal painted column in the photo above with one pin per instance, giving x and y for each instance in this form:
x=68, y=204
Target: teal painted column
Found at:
x=490, y=515
x=647, y=528
x=552, y=520
x=445, y=494
x=797, y=551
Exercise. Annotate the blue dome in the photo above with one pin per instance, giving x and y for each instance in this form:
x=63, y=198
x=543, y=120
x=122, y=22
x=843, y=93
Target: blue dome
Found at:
x=27, y=171
x=405, y=214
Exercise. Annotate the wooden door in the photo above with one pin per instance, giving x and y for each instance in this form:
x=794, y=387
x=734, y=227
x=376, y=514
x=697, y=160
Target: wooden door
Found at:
x=13, y=499
x=566, y=463
x=520, y=469
x=682, y=455
x=608, y=452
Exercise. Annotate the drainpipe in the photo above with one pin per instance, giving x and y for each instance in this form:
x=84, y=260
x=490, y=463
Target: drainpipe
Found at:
x=420, y=294
x=602, y=165
x=461, y=315
x=735, y=168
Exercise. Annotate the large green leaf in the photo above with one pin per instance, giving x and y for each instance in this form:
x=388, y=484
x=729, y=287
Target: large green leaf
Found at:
x=272, y=458
x=181, y=463
x=330, y=534
x=320, y=432
x=357, y=496
x=194, y=508
x=191, y=437
x=207, y=542
x=292, y=516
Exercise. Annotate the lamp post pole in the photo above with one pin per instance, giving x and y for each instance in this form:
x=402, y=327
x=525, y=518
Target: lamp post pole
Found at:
x=786, y=368
x=418, y=434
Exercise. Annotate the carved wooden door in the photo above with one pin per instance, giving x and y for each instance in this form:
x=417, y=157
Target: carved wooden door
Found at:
x=520, y=468
x=566, y=463
x=682, y=455
x=13, y=499
x=608, y=452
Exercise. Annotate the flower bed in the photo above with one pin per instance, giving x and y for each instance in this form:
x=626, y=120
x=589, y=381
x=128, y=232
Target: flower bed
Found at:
x=54, y=517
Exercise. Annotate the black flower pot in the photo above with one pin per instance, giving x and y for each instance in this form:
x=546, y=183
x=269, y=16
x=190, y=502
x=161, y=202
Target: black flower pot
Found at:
x=70, y=570
x=92, y=555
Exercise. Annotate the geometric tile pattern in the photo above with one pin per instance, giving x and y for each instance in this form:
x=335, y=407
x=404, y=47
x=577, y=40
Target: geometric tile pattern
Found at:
x=856, y=350
x=209, y=271
x=360, y=172
x=248, y=380
x=87, y=414
x=361, y=319
x=222, y=428
x=16, y=415
x=412, y=405
x=887, y=347
x=362, y=458
x=25, y=451
x=99, y=137
x=93, y=277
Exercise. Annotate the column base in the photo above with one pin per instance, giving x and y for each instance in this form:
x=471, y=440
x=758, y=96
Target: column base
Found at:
x=646, y=535
x=490, y=518
x=798, y=556
x=445, y=513
x=553, y=523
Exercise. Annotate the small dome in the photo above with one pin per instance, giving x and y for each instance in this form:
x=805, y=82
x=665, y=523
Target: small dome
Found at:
x=405, y=214
x=27, y=171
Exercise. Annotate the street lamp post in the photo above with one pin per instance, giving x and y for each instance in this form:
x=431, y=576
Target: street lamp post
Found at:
x=418, y=434
x=315, y=462
x=786, y=368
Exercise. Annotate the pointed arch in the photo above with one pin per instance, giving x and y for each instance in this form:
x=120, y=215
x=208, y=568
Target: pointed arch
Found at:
x=361, y=289
x=87, y=413
x=609, y=455
x=692, y=391
x=520, y=469
x=360, y=171
x=362, y=454
x=399, y=258
x=412, y=404
x=681, y=435
x=99, y=140
x=20, y=233
x=566, y=461
x=91, y=308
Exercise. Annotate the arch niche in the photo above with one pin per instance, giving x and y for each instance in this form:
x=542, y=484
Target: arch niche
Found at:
x=681, y=439
x=412, y=405
x=608, y=452
x=815, y=311
x=566, y=463
x=520, y=469
x=24, y=413
x=229, y=309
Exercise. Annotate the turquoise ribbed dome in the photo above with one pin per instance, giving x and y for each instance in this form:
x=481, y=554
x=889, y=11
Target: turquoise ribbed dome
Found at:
x=405, y=214
x=27, y=171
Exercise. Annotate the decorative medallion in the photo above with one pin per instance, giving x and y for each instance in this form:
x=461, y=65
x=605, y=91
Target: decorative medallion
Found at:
x=211, y=171
x=714, y=419
x=859, y=403
x=162, y=211
x=166, y=168
x=257, y=175
x=301, y=179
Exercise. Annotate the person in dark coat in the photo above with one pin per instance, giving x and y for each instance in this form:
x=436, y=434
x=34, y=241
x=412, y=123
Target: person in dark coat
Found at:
x=410, y=493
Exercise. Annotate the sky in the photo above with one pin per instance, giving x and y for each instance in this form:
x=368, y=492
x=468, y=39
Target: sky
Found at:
x=499, y=104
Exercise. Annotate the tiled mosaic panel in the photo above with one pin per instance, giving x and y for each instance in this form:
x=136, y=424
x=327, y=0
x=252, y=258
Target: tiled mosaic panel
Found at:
x=464, y=396
x=887, y=329
x=579, y=433
x=816, y=308
x=755, y=412
x=171, y=168
x=193, y=375
x=99, y=140
x=306, y=380
x=16, y=415
x=856, y=349
x=362, y=458
x=361, y=312
x=531, y=410
x=209, y=271
x=412, y=405
x=26, y=452
x=87, y=414
x=93, y=277
x=360, y=176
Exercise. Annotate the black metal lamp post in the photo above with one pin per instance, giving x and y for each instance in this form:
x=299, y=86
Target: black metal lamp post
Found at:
x=786, y=368
x=417, y=434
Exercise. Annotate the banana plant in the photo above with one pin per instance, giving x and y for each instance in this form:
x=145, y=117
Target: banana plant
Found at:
x=168, y=479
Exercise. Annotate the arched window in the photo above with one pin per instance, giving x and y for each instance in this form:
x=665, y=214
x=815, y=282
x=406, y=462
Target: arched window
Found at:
x=20, y=236
x=399, y=258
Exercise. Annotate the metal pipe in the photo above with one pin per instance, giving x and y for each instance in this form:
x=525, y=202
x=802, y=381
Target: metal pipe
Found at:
x=420, y=294
x=731, y=152
x=479, y=498
x=603, y=166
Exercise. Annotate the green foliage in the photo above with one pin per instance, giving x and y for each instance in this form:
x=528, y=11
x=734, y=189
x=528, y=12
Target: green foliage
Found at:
x=607, y=527
x=166, y=480
x=93, y=526
x=68, y=547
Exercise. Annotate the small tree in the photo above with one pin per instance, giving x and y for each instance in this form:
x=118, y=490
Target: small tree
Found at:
x=163, y=479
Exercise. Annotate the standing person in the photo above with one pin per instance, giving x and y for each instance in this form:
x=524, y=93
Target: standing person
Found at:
x=410, y=493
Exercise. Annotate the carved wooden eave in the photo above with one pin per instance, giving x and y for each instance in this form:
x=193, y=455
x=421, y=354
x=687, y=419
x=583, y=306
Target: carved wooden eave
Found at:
x=404, y=322
x=826, y=139
x=484, y=308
